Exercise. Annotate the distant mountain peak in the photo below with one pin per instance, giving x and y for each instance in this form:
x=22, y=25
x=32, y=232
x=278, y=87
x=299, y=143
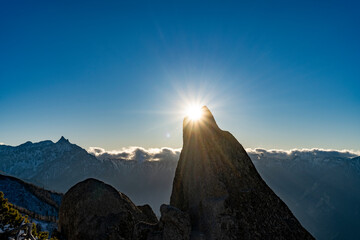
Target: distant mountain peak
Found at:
x=26, y=144
x=63, y=140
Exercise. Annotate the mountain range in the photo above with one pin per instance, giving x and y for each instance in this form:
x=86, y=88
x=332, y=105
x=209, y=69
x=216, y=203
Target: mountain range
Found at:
x=58, y=166
x=320, y=187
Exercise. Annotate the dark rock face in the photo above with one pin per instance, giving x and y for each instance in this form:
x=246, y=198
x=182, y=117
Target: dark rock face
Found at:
x=146, y=209
x=217, y=184
x=94, y=210
x=174, y=224
x=217, y=194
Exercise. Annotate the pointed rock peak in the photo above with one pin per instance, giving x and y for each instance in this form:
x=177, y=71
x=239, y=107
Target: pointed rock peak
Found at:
x=206, y=123
x=217, y=184
x=207, y=116
x=63, y=140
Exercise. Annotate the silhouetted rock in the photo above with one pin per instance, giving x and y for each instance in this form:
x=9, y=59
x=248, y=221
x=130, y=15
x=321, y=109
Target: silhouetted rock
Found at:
x=94, y=210
x=146, y=209
x=63, y=140
x=174, y=224
x=217, y=194
x=218, y=185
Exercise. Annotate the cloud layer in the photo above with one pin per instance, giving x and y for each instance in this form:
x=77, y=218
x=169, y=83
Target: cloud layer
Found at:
x=137, y=154
x=302, y=153
x=140, y=154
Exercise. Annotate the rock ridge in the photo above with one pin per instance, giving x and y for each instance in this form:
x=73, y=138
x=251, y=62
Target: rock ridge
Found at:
x=218, y=185
x=217, y=194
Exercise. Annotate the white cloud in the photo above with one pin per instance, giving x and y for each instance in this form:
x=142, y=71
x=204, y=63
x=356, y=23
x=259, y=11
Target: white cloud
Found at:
x=2, y=143
x=304, y=153
x=162, y=154
x=137, y=154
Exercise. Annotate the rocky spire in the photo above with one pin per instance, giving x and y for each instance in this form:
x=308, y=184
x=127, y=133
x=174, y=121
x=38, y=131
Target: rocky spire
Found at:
x=63, y=140
x=218, y=185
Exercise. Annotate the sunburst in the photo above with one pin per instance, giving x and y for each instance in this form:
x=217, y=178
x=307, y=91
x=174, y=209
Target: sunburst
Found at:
x=194, y=112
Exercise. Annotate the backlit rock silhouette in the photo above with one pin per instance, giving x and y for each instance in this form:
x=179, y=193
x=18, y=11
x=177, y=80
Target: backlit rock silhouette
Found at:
x=218, y=185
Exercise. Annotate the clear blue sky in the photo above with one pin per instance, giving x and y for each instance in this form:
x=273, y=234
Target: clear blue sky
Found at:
x=277, y=74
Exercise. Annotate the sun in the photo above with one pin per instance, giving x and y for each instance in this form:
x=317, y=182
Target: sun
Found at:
x=194, y=112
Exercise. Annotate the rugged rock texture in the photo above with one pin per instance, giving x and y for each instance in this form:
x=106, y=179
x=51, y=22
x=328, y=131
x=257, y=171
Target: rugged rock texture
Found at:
x=174, y=224
x=94, y=210
x=217, y=194
x=217, y=184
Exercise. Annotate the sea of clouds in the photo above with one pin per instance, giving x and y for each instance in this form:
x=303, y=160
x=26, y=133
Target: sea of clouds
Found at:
x=140, y=154
x=137, y=154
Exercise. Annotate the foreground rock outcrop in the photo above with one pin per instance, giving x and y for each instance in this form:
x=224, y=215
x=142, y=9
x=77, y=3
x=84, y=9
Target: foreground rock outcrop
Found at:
x=174, y=224
x=217, y=184
x=217, y=194
x=94, y=210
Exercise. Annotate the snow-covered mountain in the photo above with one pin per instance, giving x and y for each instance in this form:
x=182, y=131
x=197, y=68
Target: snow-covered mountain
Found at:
x=59, y=166
x=319, y=186
x=51, y=165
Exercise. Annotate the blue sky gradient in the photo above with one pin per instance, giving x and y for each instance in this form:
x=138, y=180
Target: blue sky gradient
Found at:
x=276, y=74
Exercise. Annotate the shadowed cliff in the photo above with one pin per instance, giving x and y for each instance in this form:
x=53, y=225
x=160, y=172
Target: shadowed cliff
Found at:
x=217, y=184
